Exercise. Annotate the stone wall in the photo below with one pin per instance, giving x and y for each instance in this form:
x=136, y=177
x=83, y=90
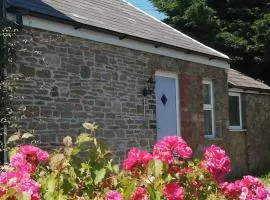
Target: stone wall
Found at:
x=234, y=143
x=71, y=80
x=256, y=115
x=249, y=148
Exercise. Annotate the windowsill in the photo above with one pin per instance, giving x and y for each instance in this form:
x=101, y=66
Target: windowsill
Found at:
x=237, y=130
x=212, y=138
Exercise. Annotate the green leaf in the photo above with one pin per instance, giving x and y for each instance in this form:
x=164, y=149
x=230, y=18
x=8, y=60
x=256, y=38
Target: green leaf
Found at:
x=151, y=193
x=51, y=183
x=27, y=135
x=84, y=137
x=15, y=137
x=90, y=126
x=157, y=167
x=12, y=152
x=24, y=196
x=201, y=177
x=75, y=151
x=116, y=169
x=58, y=161
x=99, y=175
x=129, y=190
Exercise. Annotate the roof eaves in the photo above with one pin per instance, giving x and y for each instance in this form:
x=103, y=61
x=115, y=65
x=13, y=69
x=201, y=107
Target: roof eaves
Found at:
x=244, y=88
x=77, y=25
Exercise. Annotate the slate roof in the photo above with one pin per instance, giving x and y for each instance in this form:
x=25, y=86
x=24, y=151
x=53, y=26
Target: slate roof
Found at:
x=239, y=80
x=117, y=16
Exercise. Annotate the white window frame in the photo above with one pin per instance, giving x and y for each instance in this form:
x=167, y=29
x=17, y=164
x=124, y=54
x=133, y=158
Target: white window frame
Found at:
x=210, y=107
x=240, y=111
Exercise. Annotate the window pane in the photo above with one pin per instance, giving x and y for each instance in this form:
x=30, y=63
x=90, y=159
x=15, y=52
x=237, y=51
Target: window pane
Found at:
x=208, y=129
x=207, y=94
x=234, y=111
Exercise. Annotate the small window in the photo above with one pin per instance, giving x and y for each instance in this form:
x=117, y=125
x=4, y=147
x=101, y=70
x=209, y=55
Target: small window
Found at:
x=208, y=98
x=235, y=111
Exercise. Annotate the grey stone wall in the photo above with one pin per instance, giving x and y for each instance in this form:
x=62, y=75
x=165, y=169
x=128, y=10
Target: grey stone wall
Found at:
x=71, y=80
x=249, y=148
x=256, y=115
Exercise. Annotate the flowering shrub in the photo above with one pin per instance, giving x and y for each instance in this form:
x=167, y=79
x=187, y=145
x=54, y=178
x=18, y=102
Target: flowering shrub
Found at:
x=216, y=162
x=17, y=182
x=83, y=169
x=246, y=188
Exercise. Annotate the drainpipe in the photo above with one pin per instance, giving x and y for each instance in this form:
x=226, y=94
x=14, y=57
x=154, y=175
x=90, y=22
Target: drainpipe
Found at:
x=2, y=63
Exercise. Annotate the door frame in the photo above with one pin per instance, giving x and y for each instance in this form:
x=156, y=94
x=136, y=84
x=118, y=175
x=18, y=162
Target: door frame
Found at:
x=177, y=93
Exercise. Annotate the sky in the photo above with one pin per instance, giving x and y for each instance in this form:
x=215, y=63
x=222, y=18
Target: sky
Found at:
x=147, y=7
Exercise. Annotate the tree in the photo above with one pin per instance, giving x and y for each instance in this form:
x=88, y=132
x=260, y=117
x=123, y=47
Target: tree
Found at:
x=238, y=28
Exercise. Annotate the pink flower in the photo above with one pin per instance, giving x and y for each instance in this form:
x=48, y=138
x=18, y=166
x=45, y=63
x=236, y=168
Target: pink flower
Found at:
x=170, y=146
x=248, y=188
x=244, y=193
x=136, y=158
x=12, y=178
x=19, y=161
x=2, y=192
x=28, y=157
x=229, y=190
x=21, y=182
x=140, y=194
x=37, y=153
x=216, y=162
x=113, y=195
x=29, y=186
x=173, y=191
x=262, y=193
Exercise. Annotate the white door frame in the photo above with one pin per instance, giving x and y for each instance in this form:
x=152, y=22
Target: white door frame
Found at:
x=175, y=76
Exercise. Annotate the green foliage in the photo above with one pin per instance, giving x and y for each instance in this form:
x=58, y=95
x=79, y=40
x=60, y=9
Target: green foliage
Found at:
x=237, y=28
x=7, y=53
x=81, y=168
x=265, y=178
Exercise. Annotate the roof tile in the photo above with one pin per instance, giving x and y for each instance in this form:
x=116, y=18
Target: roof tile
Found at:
x=118, y=16
x=240, y=80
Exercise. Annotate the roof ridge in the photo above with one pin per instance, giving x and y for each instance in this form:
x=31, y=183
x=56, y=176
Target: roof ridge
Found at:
x=215, y=51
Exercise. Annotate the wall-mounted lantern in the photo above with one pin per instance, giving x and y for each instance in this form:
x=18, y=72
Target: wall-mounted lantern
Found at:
x=150, y=87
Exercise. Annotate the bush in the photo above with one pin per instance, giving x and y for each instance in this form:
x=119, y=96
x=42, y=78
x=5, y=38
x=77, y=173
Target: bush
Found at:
x=84, y=170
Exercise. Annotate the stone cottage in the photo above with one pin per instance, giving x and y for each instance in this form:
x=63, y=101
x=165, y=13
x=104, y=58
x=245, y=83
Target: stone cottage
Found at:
x=139, y=79
x=249, y=124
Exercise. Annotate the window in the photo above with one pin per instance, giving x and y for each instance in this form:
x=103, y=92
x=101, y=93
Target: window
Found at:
x=208, y=105
x=235, y=111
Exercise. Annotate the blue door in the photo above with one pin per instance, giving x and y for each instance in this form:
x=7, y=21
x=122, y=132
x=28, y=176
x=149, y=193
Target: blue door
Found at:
x=166, y=106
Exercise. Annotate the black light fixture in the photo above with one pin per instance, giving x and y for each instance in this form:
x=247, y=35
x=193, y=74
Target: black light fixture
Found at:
x=150, y=87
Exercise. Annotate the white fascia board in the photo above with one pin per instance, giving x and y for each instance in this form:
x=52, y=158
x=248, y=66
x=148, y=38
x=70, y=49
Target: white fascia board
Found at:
x=66, y=29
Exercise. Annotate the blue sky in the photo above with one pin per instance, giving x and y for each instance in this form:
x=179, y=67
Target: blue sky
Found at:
x=147, y=7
